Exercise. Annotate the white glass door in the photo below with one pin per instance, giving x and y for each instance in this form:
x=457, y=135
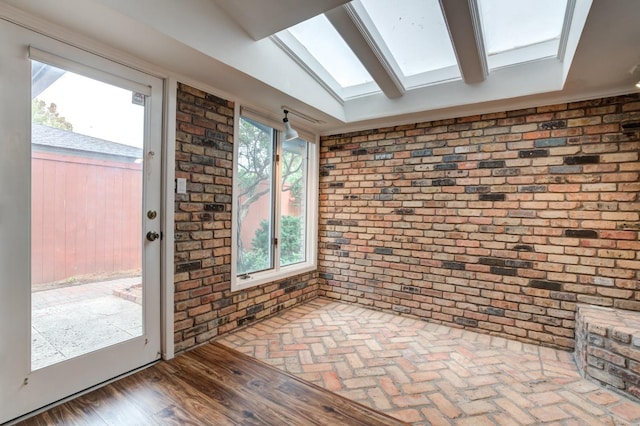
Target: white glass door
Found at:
x=87, y=149
x=79, y=220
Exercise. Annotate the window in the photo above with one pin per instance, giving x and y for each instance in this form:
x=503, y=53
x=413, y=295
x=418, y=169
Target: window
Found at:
x=413, y=37
x=412, y=41
x=516, y=32
x=274, y=204
x=317, y=44
x=324, y=50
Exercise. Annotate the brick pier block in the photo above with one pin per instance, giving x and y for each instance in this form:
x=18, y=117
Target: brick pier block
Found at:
x=608, y=347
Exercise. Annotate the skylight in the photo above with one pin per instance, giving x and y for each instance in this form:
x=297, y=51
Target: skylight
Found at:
x=407, y=45
x=317, y=43
x=520, y=31
x=415, y=33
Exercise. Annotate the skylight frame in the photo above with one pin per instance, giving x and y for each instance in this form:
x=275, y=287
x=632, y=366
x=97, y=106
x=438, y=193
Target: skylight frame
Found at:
x=412, y=81
x=287, y=41
x=365, y=25
x=540, y=50
x=354, y=25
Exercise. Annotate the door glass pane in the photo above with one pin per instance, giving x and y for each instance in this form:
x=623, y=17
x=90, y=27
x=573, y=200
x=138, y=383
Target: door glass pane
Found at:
x=255, y=194
x=293, y=202
x=86, y=215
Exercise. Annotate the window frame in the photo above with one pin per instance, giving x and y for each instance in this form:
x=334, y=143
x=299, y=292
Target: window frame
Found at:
x=311, y=233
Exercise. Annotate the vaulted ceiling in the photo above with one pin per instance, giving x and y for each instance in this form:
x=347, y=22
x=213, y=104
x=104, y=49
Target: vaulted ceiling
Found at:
x=250, y=50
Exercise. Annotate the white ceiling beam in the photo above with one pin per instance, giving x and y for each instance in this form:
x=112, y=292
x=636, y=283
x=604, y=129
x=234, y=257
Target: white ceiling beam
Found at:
x=366, y=52
x=262, y=18
x=463, y=24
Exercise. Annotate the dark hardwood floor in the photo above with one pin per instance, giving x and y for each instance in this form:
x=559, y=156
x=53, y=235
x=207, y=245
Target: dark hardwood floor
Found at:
x=211, y=385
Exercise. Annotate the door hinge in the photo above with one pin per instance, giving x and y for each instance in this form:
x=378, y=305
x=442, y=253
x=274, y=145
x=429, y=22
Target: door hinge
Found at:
x=277, y=158
x=275, y=242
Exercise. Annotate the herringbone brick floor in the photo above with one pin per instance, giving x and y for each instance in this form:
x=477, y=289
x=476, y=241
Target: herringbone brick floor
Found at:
x=425, y=373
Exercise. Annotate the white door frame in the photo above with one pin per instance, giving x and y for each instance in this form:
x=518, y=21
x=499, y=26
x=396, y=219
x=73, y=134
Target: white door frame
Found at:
x=22, y=390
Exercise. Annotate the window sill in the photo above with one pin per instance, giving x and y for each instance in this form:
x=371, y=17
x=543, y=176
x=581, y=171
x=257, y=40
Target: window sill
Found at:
x=260, y=278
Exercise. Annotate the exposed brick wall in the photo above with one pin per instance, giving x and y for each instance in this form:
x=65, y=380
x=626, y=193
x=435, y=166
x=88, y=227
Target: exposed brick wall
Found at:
x=499, y=223
x=608, y=347
x=204, y=304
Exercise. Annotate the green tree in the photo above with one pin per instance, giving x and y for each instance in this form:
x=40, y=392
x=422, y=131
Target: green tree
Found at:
x=48, y=115
x=290, y=242
x=255, y=164
x=292, y=178
x=291, y=250
x=255, y=173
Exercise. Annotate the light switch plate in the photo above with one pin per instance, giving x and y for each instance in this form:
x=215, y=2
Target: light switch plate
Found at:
x=181, y=185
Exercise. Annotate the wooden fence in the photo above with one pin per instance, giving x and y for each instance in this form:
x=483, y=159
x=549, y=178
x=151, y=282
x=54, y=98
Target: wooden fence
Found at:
x=86, y=218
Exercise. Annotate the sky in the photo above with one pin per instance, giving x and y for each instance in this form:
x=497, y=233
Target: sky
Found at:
x=97, y=109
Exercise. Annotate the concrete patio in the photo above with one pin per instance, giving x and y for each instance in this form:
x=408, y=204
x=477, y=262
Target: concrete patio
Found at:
x=69, y=321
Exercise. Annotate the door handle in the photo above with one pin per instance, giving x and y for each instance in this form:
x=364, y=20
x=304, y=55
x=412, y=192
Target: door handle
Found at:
x=152, y=236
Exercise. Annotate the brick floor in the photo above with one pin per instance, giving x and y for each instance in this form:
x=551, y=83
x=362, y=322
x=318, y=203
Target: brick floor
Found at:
x=427, y=373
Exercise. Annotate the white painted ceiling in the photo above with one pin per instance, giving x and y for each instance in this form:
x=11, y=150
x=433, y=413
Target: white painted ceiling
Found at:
x=225, y=45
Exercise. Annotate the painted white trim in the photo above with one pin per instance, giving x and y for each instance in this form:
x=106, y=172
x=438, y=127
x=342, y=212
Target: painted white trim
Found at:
x=296, y=51
x=363, y=23
x=260, y=278
x=361, y=47
x=167, y=288
x=475, y=109
x=463, y=25
x=234, y=199
x=579, y=13
x=103, y=74
x=430, y=78
x=547, y=49
x=79, y=41
x=566, y=28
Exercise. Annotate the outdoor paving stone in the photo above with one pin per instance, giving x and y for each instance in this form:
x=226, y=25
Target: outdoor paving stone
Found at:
x=43, y=352
x=74, y=320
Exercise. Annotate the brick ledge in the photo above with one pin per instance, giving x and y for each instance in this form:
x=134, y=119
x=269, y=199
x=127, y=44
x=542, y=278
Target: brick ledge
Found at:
x=608, y=347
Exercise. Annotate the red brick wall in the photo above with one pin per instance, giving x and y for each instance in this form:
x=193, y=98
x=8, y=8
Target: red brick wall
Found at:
x=204, y=304
x=499, y=223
